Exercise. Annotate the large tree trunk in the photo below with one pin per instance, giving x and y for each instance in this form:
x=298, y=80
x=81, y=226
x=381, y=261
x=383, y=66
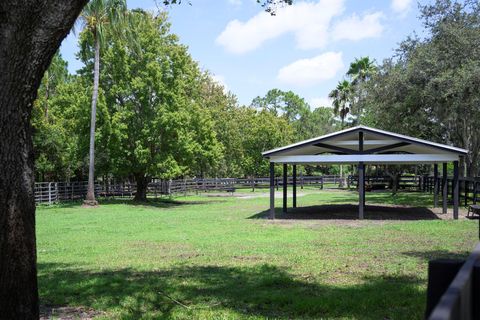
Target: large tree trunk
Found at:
x=31, y=32
x=90, y=199
x=142, y=184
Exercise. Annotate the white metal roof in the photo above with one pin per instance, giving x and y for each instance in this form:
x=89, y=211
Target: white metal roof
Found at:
x=345, y=147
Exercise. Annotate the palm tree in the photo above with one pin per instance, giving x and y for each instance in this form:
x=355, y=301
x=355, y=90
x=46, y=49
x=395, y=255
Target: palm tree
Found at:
x=94, y=18
x=341, y=99
x=361, y=69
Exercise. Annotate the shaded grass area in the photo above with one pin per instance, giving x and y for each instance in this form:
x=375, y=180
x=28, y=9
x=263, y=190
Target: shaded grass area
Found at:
x=203, y=258
x=350, y=212
x=230, y=292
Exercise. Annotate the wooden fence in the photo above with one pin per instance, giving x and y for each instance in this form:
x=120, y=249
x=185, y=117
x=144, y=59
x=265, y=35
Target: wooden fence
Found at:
x=469, y=188
x=383, y=182
x=52, y=192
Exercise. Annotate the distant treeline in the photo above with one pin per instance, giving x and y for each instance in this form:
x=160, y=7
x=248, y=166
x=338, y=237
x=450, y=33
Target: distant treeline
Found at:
x=159, y=115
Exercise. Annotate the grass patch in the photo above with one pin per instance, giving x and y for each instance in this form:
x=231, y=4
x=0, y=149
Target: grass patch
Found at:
x=201, y=258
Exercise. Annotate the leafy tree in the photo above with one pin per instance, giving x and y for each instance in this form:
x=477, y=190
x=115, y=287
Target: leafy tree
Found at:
x=228, y=123
x=295, y=110
x=56, y=74
x=159, y=128
x=262, y=131
x=431, y=88
x=61, y=121
x=69, y=108
x=285, y=103
x=49, y=138
x=315, y=123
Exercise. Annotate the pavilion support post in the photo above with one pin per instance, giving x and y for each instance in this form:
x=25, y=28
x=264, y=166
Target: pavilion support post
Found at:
x=285, y=182
x=455, y=187
x=360, y=150
x=272, y=190
x=435, y=185
x=444, y=188
x=361, y=190
x=364, y=178
x=294, y=185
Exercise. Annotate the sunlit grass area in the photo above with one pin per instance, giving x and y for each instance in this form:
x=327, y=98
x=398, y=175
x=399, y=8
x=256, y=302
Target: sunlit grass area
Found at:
x=200, y=257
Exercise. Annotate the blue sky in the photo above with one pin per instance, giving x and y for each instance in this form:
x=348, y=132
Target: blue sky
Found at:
x=305, y=48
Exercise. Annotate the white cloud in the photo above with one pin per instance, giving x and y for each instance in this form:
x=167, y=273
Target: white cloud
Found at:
x=308, y=21
x=306, y=72
x=401, y=6
x=321, y=102
x=356, y=28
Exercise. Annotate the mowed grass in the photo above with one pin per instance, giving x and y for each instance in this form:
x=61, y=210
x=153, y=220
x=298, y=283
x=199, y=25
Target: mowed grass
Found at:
x=200, y=257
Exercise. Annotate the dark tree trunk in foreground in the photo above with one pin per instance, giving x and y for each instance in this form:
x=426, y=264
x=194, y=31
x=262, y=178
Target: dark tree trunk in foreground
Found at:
x=142, y=184
x=30, y=34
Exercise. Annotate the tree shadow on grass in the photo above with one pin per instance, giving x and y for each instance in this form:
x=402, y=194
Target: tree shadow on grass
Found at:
x=350, y=212
x=438, y=254
x=156, y=203
x=209, y=291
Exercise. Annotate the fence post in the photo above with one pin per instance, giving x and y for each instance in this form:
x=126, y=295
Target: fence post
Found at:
x=49, y=193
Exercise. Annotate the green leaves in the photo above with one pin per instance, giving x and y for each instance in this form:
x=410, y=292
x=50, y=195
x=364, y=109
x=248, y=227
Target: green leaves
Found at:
x=160, y=129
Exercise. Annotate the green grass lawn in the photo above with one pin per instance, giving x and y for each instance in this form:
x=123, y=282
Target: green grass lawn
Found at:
x=201, y=257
